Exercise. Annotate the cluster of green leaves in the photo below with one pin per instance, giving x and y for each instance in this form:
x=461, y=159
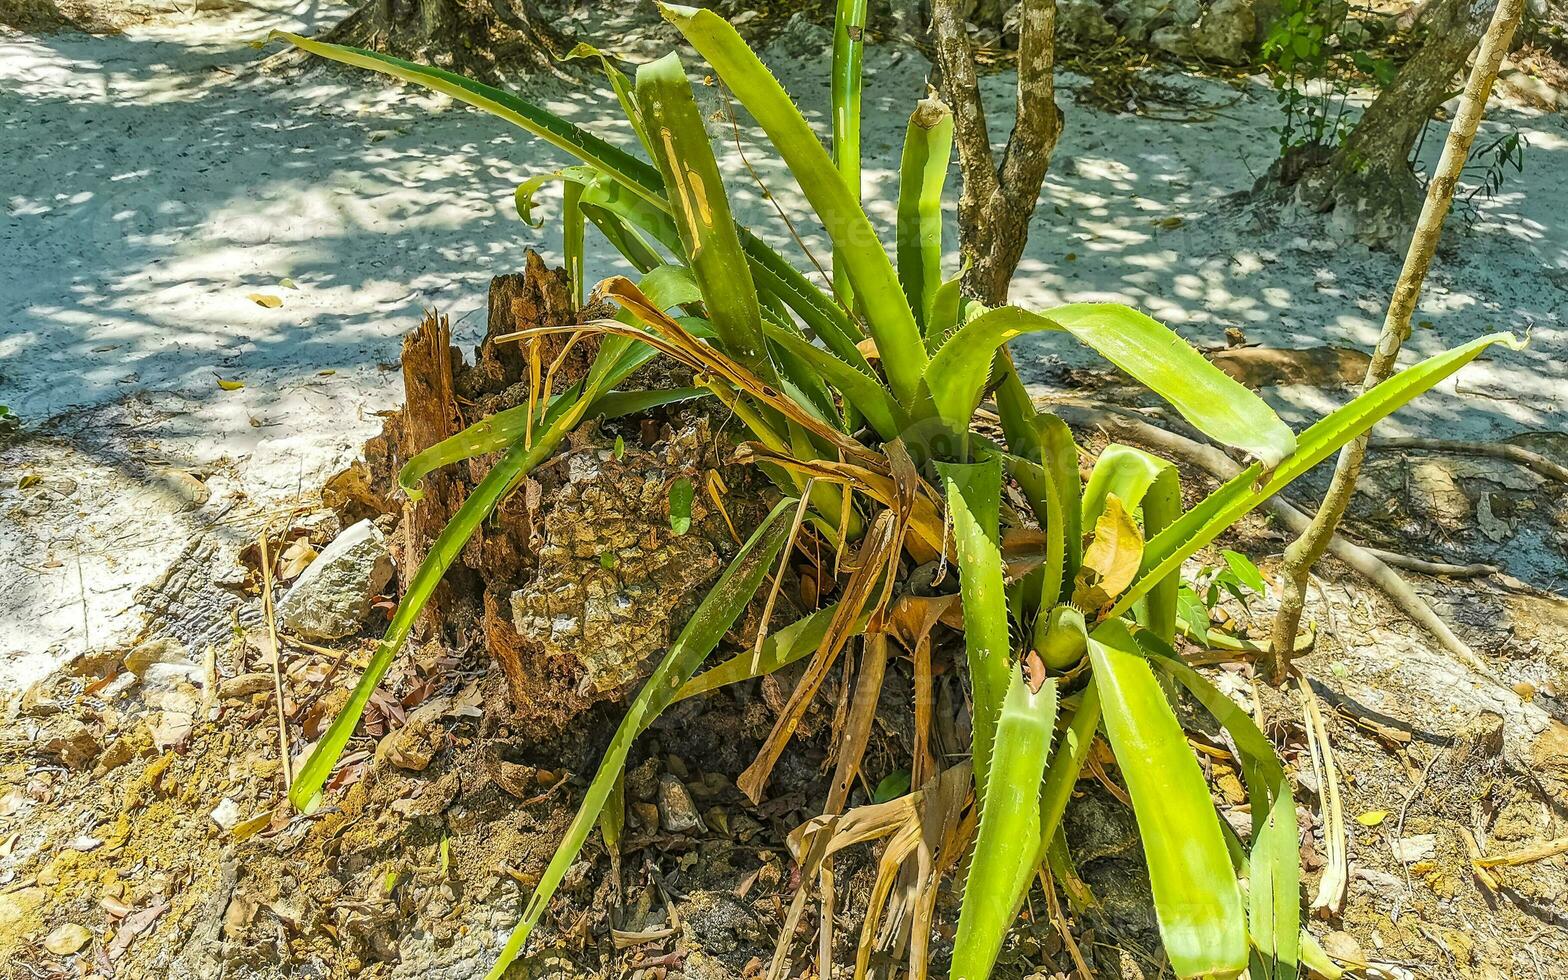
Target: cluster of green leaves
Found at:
x=1202, y=593
x=1489, y=165
x=1303, y=46
x=871, y=382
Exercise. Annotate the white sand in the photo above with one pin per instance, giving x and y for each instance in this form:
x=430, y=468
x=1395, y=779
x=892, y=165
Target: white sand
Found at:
x=152, y=180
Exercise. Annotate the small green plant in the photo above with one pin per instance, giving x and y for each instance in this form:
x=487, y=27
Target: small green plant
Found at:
x=1198, y=598
x=1306, y=47
x=877, y=456
x=1489, y=166
x=9, y=423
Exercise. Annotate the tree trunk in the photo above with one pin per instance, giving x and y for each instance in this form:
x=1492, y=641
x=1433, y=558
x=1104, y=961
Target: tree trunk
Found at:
x=1368, y=182
x=473, y=37
x=997, y=201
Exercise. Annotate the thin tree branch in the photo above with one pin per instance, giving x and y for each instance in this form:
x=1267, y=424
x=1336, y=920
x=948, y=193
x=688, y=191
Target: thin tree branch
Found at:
x=1307, y=549
x=1039, y=121
x=961, y=90
x=1222, y=467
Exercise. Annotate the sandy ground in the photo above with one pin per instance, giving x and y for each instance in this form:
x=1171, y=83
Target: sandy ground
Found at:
x=153, y=180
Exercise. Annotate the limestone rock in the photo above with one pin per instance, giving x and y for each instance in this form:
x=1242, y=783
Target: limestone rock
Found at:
x=1175, y=41
x=1227, y=32
x=1083, y=21
x=332, y=597
x=1141, y=18
x=67, y=939
x=801, y=38
x=67, y=741
x=677, y=811
x=159, y=650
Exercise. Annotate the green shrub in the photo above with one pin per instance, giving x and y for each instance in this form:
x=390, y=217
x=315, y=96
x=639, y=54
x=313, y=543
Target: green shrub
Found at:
x=1099, y=595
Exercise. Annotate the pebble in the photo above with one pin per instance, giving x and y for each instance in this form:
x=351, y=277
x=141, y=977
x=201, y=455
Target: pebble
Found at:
x=226, y=814
x=67, y=939
x=331, y=599
x=677, y=812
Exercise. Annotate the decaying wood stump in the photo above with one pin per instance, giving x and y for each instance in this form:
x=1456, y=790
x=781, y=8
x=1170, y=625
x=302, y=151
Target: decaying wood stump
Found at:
x=578, y=582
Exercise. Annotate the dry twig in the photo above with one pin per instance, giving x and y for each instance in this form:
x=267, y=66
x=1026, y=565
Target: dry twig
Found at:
x=277, y=660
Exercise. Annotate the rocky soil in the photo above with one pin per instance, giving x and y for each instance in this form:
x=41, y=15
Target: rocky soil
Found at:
x=142, y=829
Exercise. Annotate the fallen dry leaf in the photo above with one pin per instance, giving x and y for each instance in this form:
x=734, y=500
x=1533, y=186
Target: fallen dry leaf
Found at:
x=67, y=939
x=265, y=299
x=230, y=384
x=295, y=559
x=134, y=925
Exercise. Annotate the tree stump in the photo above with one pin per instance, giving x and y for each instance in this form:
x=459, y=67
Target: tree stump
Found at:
x=578, y=582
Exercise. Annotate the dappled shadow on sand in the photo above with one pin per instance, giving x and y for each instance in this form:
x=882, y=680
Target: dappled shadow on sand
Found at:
x=156, y=181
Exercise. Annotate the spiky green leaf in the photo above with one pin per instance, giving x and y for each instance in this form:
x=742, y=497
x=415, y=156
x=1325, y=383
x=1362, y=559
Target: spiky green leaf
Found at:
x=1197, y=901
x=1003, y=863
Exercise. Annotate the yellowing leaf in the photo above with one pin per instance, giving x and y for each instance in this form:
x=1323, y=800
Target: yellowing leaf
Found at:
x=295, y=559
x=287, y=283
x=1111, y=561
x=268, y=300
x=246, y=829
x=1372, y=818
x=29, y=480
x=230, y=384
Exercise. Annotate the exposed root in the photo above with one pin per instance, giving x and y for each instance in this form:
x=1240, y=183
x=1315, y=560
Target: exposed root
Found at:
x=1496, y=450
x=1425, y=567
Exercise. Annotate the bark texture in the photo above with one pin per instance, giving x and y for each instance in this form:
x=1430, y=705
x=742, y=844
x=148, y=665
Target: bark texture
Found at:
x=577, y=582
x=474, y=37
x=998, y=199
x=1368, y=182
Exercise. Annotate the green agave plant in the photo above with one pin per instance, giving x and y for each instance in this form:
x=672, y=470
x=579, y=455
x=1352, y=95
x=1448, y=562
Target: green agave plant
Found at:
x=1095, y=602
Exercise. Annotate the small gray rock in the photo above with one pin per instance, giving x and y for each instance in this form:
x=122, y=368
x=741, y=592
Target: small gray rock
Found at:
x=332, y=597
x=1227, y=32
x=1175, y=41
x=1083, y=21
x=1419, y=847
x=677, y=811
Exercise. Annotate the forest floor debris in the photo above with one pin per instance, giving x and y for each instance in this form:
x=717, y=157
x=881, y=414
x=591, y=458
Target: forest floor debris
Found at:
x=141, y=832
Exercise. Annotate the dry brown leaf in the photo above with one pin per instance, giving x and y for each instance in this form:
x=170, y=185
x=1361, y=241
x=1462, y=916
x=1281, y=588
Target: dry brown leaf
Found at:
x=134, y=925
x=1111, y=561
x=295, y=559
